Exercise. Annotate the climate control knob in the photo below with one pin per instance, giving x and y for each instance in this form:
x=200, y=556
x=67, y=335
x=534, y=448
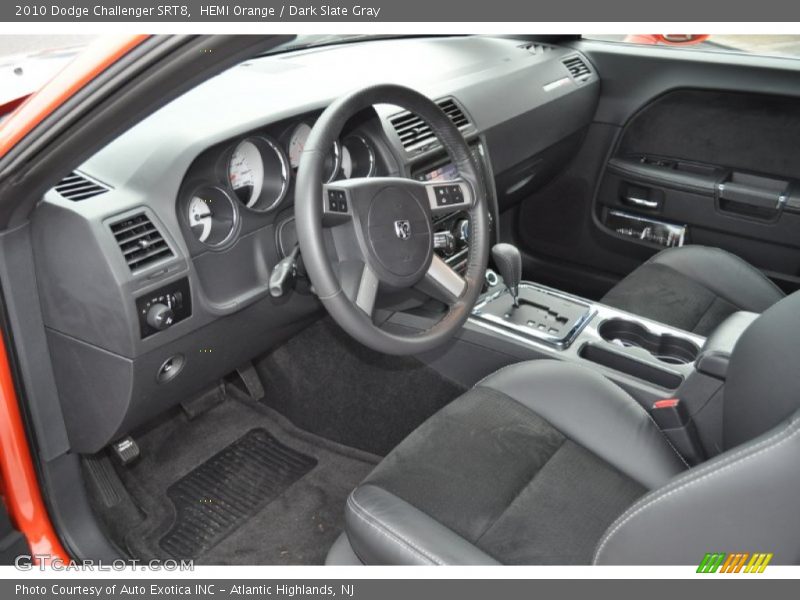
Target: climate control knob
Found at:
x=160, y=316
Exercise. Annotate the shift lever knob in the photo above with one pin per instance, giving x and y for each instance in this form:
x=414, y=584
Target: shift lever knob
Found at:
x=509, y=262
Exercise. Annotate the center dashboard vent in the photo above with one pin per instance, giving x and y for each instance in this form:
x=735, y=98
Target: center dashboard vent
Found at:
x=577, y=67
x=140, y=241
x=416, y=134
x=77, y=187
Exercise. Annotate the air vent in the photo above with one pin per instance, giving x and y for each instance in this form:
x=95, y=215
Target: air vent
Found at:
x=535, y=48
x=77, y=187
x=141, y=243
x=415, y=133
x=577, y=67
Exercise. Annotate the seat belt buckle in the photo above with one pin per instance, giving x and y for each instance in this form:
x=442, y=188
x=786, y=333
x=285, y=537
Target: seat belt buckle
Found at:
x=675, y=422
x=670, y=413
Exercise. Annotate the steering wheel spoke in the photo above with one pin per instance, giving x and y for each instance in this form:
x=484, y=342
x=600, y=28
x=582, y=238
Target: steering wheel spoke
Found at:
x=442, y=282
x=360, y=284
x=449, y=196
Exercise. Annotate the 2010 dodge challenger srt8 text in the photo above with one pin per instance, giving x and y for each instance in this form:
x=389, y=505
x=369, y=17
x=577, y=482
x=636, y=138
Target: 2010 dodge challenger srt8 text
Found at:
x=402, y=300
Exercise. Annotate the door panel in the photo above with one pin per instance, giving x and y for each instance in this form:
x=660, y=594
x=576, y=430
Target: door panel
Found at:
x=700, y=140
x=718, y=165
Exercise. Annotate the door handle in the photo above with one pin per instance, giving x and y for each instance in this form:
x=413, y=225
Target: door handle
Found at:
x=641, y=202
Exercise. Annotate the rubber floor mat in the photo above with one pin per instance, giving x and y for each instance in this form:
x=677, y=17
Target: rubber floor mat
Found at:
x=229, y=488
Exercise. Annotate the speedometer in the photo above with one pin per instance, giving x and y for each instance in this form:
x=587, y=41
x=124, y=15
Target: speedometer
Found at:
x=258, y=173
x=246, y=172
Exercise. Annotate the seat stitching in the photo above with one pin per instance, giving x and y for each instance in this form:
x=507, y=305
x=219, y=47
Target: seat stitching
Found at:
x=390, y=533
x=666, y=439
x=693, y=478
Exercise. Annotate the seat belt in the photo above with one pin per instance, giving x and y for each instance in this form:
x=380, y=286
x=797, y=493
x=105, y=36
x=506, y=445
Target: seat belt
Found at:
x=673, y=419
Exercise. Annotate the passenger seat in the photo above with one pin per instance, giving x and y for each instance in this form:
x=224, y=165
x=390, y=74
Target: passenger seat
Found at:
x=693, y=288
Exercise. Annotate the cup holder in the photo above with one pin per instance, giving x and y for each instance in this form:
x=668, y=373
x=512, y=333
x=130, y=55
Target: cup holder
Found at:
x=667, y=348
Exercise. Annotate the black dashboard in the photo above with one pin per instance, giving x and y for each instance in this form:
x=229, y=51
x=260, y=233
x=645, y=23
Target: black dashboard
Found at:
x=156, y=253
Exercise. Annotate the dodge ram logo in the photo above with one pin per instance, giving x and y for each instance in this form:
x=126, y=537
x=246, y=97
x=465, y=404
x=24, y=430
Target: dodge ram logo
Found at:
x=402, y=229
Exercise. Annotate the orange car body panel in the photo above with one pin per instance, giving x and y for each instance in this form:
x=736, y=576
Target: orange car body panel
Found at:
x=668, y=39
x=92, y=61
x=19, y=485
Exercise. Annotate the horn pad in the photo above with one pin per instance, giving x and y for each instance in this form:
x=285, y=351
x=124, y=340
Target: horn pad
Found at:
x=400, y=235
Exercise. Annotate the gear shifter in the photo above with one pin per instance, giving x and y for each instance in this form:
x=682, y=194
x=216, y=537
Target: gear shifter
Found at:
x=509, y=262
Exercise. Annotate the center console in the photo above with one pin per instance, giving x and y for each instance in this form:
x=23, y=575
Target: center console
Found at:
x=654, y=362
x=538, y=314
x=572, y=328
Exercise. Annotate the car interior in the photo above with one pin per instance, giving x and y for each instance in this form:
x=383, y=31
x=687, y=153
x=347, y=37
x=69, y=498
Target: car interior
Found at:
x=425, y=300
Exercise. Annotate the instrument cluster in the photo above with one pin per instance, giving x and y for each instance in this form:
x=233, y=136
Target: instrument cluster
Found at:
x=256, y=173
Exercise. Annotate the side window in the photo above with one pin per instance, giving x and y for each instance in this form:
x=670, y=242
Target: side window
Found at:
x=764, y=45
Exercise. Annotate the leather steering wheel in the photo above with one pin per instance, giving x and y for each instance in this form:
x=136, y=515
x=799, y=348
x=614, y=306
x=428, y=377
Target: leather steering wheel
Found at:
x=359, y=235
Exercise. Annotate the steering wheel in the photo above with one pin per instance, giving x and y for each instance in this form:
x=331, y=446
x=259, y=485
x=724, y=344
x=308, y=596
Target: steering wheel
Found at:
x=359, y=235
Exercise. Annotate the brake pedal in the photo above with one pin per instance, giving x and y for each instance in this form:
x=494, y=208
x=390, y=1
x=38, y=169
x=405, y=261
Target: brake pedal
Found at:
x=126, y=450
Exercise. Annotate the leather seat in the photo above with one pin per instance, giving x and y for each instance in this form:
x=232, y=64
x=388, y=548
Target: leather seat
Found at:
x=547, y=462
x=693, y=288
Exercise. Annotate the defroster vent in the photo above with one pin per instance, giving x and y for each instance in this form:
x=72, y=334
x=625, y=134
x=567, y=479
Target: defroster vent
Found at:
x=77, y=187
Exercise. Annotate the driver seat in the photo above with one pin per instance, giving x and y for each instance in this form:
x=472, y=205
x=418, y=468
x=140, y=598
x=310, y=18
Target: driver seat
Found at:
x=546, y=462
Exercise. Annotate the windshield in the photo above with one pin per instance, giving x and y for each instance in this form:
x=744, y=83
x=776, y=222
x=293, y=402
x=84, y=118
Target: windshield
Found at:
x=28, y=61
x=316, y=40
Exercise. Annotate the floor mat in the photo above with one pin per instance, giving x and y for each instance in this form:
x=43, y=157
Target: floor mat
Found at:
x=296, y=527
x=228, y=489
x=327, y=383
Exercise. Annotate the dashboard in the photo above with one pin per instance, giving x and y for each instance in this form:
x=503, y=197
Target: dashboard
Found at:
x=153, y=257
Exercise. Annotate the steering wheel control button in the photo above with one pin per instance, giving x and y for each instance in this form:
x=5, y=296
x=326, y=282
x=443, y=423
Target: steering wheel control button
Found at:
x=446, y=195
x=337, y=201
